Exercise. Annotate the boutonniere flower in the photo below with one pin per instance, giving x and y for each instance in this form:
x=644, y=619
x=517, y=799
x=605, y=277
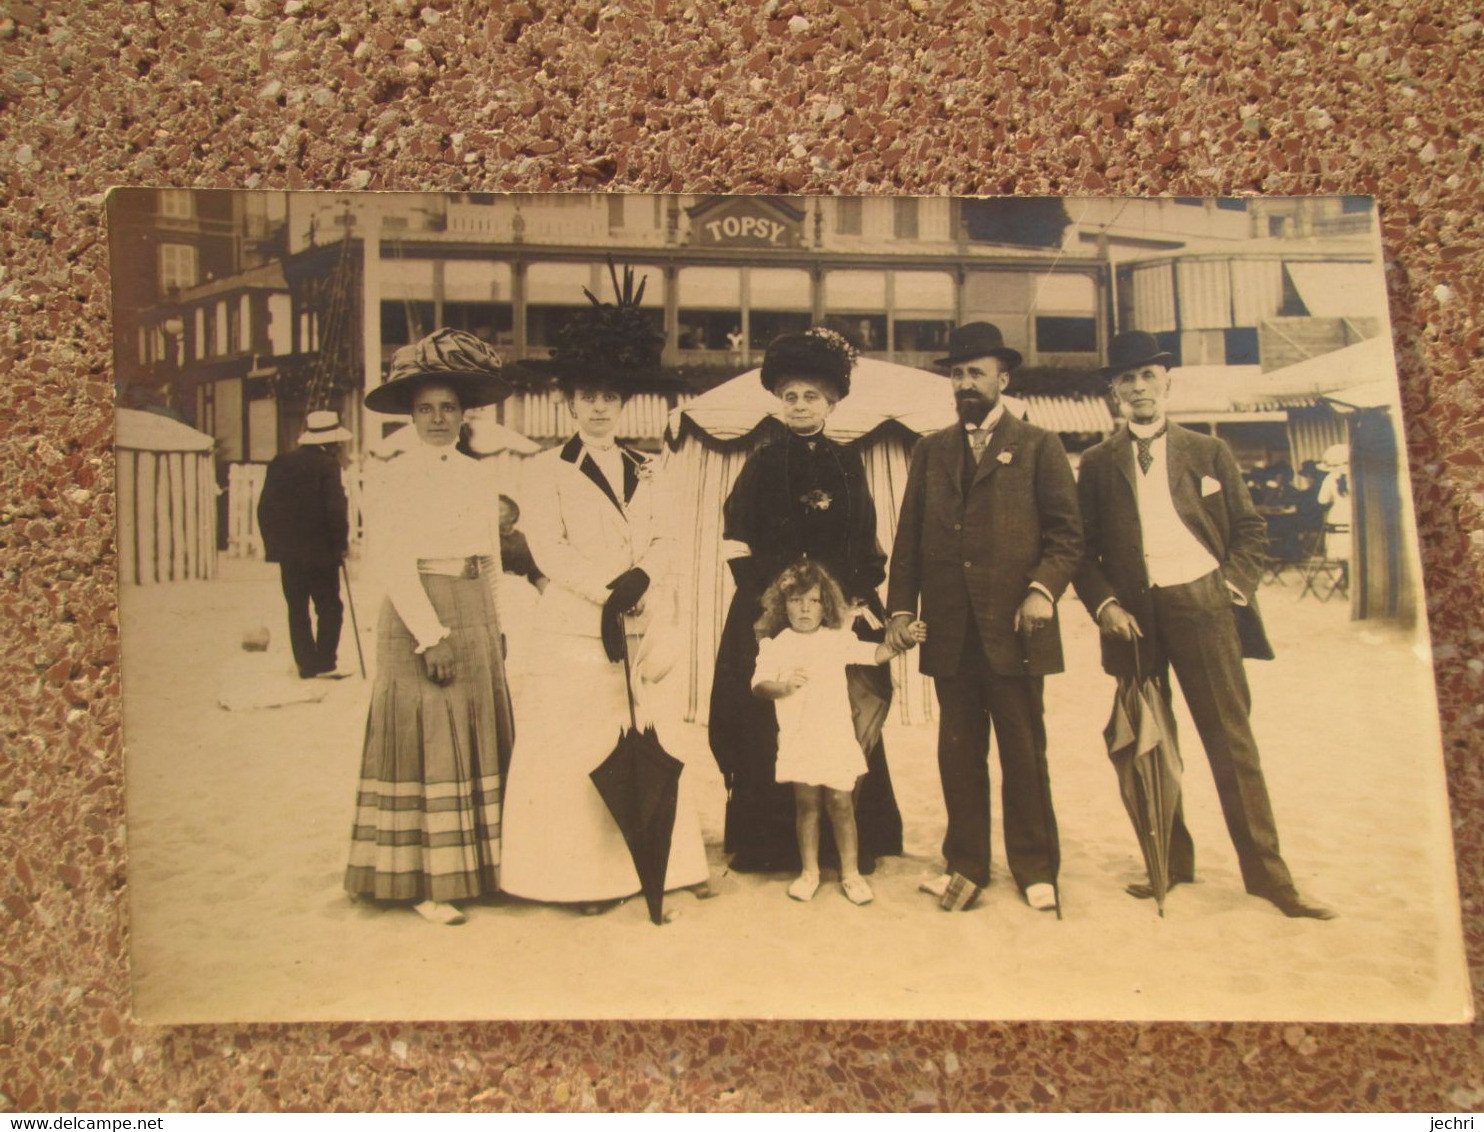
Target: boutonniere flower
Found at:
x=816, y=500
x=1006, y=456
x=643, y=465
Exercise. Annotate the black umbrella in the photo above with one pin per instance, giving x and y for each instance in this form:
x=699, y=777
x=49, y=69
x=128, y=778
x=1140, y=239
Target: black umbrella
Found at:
x=1141, y=742
x=639, y=782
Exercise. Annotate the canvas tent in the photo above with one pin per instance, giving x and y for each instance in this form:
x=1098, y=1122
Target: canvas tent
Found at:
x=708, y=441
x=167, y=492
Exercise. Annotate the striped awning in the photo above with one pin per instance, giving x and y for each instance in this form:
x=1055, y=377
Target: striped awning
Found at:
x=1070, y=414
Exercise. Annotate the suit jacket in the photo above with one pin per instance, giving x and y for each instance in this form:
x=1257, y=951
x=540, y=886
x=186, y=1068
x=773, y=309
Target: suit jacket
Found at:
x=302, y=512
x=583, y=534
x=972, y=552
x=1209, y=496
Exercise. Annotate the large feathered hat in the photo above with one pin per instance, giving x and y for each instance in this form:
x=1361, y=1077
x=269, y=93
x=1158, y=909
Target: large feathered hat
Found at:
x=817, y=354
x=612, y=346
x=445, y=357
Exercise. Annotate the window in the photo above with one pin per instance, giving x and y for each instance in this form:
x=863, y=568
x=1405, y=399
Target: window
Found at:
x=904, y=218
x=1232, y=204
x=1061, y=334
x=1241, y=346
x=177, y=266
x=177, y=203
x=489, y=322
x=615, y=210
x=848, y=216
x=402, y=322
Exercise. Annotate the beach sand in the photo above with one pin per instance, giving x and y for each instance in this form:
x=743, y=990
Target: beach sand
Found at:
x=239, y=821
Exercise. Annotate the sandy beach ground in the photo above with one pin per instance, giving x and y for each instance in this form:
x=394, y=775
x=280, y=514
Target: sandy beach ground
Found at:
x=239, y=823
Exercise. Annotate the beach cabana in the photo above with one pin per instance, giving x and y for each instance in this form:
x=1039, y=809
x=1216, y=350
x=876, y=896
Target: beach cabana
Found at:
x=166, y=486
x=708, y=441
x=1384, y=567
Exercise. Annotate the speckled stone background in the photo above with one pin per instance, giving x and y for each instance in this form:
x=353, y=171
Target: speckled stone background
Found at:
x=930, y=96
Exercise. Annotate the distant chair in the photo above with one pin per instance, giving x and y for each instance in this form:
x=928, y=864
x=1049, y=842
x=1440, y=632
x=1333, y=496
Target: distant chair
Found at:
x=1323, y=575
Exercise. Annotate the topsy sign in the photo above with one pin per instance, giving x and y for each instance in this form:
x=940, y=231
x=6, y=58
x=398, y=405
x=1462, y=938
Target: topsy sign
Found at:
x=748, y=222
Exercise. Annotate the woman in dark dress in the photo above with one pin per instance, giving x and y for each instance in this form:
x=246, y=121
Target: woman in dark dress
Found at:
x=800, y=495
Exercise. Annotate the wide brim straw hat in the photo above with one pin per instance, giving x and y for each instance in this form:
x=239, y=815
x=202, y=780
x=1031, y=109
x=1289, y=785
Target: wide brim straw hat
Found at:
x=454, y=358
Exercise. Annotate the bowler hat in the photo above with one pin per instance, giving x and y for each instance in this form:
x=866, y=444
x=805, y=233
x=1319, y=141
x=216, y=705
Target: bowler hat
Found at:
x=454, y=358
x=1132, y=349
x=323, y=427
x=978, y=340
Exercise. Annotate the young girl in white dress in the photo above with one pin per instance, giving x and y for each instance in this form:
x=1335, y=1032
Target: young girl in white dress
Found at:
x=804, y=646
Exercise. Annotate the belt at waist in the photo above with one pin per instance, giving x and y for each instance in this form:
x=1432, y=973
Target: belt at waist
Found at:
x=470, y=567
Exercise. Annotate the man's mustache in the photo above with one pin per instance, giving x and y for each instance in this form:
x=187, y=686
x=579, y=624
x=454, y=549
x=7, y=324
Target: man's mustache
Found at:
x=969, y=395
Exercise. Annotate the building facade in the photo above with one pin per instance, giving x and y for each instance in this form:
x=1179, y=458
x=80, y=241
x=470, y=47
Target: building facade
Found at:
x=245, y=310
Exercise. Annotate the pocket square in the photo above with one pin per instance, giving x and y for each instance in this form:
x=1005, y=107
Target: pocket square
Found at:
x=1209, y=486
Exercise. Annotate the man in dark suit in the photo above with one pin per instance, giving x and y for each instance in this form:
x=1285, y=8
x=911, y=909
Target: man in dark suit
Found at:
x=988, y=538
x=304, y=520
x=1174, y=552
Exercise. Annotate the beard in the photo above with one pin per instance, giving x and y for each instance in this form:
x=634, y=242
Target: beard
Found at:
x=972, y=407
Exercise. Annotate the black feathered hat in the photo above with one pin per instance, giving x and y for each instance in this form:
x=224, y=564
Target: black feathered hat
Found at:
x=818, y=354
x=454, y=358
x=614, y=346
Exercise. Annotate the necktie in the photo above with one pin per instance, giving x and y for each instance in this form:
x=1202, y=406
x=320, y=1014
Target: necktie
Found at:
x=1146, y=449
x=978, y=442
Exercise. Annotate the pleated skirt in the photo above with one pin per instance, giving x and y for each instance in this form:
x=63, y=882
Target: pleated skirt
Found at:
x=427, y=820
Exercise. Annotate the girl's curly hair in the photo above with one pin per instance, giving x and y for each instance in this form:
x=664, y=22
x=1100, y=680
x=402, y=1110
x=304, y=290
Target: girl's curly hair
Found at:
x=799, y=578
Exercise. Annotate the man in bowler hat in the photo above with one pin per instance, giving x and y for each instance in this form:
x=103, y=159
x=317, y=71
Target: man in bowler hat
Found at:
x=304, y=520
x=988, y=538
x=1173, y=557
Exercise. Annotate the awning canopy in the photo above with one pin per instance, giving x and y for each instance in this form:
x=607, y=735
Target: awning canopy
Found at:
x=879, y=392
x=152, y=432
x=1339, y=290
x=1363, y=363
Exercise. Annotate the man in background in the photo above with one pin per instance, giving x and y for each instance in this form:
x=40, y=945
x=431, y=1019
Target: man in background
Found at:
x=305, y=523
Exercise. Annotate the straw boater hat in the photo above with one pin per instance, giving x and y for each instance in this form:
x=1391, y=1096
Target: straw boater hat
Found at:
x=1336, y=456
x=445, y=357
x=323, y=427
x=818, y=355
x=1133, y=349
x=978, y=340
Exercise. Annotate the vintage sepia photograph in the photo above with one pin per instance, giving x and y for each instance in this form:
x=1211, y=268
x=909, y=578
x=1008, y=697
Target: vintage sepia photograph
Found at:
x=586, y=606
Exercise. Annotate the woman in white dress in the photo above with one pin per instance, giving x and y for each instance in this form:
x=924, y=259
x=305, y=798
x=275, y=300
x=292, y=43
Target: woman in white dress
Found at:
x=597, y=530
x=440, y=729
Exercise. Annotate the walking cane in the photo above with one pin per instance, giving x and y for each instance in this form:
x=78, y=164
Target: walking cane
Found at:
x=354, y=628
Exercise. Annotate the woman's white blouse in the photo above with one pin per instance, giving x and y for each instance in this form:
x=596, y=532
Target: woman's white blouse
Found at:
x=429, y=502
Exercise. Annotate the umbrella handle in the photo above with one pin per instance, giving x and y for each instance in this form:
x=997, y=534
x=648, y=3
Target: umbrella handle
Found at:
x=628, y=676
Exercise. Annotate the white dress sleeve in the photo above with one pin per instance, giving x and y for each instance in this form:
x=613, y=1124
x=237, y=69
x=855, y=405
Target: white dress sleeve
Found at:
x=394, y=499
x=769, y=661
x=853, y=650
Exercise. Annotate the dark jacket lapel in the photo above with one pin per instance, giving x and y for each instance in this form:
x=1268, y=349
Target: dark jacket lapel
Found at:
x=572, y=450
x=630, y=475
x=1007, y=433
x=1182, y=481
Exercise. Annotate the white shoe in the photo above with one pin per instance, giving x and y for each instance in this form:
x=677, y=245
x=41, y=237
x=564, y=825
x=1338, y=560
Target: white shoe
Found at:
x=1041, y=897
x=856, y=890
x=804, y=888
x=935, y=886
x=436, y=912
